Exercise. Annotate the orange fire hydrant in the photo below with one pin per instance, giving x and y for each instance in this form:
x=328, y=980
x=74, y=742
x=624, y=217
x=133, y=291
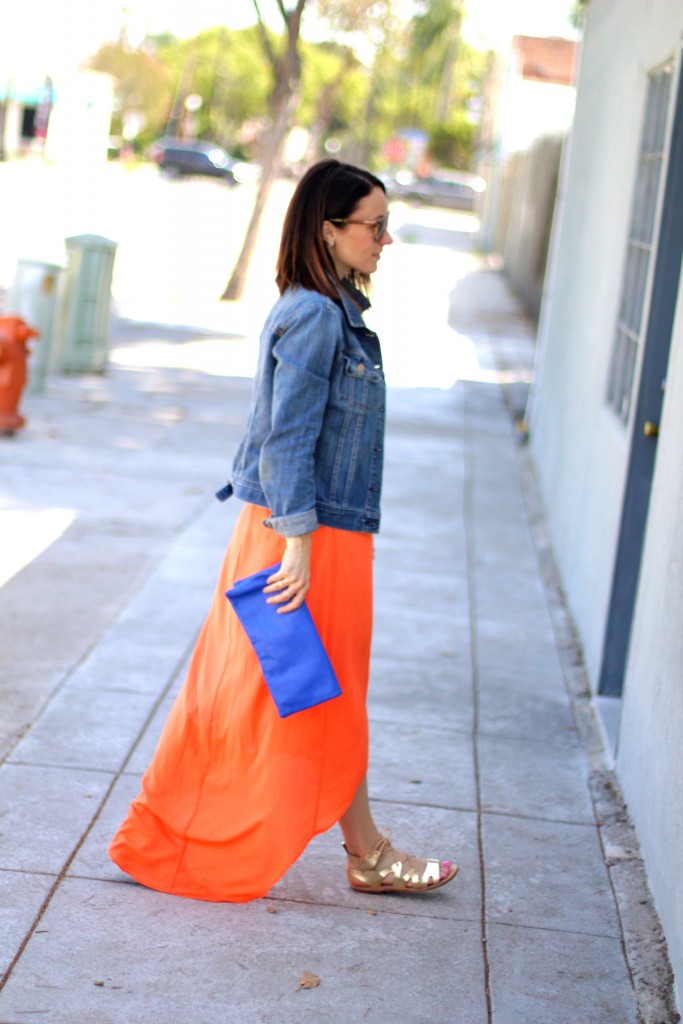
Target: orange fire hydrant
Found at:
x=14, y=334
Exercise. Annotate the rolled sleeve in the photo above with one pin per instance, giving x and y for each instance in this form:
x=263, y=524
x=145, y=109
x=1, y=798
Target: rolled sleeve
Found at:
x=303, y=358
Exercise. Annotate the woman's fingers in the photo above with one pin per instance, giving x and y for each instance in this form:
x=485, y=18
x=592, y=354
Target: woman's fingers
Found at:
x=289, y=584
x=283, y=590
x=292, y=605
x=275, y=583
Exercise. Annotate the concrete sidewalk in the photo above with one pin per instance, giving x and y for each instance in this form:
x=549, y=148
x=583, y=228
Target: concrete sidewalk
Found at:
x=475, y=752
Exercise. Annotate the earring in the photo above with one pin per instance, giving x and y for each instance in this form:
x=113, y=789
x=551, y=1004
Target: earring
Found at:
x=329, y=243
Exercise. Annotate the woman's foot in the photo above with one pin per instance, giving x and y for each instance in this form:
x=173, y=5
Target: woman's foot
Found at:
x=385, y=869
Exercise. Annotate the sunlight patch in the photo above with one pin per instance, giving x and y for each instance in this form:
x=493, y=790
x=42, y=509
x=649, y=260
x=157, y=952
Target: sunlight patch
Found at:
x=26, y=533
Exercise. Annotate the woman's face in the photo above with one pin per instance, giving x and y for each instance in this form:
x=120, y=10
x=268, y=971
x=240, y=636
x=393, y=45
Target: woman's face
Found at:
x=353, y=246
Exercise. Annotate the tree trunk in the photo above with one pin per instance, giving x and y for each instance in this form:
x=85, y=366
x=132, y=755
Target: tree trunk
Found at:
x=285, y=98
x=443, y=99
x=272, y=163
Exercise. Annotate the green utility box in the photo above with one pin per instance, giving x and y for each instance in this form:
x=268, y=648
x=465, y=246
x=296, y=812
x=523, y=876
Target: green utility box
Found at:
x=33, y=297
x=84, y=343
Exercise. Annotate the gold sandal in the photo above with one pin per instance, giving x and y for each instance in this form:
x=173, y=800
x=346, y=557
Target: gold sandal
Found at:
x=401, y=872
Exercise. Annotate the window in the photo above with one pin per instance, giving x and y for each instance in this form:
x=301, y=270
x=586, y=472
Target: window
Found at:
x=640, y=242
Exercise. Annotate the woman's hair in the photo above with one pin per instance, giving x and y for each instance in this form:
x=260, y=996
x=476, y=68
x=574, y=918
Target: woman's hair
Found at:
x=329, y=190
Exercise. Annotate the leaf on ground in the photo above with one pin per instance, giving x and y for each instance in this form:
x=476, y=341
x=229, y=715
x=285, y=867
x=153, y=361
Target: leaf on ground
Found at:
x=373, y=913
x=309, y=980
x=271, y=910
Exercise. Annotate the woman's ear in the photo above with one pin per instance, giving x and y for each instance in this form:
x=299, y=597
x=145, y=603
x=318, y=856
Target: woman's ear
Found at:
x=328, y=233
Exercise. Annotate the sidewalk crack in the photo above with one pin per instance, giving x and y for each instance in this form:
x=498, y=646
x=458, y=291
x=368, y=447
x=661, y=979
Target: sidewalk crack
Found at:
x=468, y=496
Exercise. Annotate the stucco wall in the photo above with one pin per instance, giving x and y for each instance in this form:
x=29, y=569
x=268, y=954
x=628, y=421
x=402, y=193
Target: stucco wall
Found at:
x=581, y=448
x=529, y=218
x=650, y=759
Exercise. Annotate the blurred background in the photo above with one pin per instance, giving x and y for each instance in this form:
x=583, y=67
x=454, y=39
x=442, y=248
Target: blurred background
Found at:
x=174, y=129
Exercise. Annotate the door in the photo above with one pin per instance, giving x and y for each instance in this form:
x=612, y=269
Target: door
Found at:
x=656, y=344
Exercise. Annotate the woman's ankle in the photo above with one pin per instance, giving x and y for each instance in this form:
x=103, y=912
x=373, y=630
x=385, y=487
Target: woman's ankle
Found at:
x=361, y=846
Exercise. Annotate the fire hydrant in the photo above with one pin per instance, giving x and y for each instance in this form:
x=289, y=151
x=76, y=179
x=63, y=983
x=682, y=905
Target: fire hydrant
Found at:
x=14, y=334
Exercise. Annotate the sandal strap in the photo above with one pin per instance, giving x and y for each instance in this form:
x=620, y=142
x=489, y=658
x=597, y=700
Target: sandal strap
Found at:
x=402, y=871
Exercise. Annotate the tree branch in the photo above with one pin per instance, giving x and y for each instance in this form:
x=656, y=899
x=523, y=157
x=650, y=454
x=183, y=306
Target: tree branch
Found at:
x=270, y=53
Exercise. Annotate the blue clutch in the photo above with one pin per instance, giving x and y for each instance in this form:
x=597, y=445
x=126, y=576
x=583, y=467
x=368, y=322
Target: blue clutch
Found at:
x=294, y=662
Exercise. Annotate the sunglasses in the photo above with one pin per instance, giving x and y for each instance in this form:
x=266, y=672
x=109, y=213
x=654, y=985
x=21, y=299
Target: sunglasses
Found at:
x=380, y=224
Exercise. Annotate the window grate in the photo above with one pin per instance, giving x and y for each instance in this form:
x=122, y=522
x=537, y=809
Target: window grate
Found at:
x=639, y=249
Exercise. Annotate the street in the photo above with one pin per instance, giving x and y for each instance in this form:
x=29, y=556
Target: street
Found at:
x=177, y=243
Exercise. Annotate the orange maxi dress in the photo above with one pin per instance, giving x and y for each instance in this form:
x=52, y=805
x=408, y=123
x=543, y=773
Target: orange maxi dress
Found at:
x=234, y=793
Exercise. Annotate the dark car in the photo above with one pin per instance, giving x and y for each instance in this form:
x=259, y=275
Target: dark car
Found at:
x=453, y=189
x=177, y=157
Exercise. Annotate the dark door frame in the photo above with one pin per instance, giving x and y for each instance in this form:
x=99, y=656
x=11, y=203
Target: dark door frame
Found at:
x=648, y=410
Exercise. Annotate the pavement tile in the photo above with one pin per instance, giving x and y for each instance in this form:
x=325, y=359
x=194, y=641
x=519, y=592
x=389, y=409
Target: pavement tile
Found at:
x=104, y=495
x=415, y=764
x=547, y=874
x=535, y=779
x=92, y=860
x=142, y=754
x=21, y=698
x=540, y=976
x=442, y=593
x=195, y=563
x=44, y=812
x=167, y=612
x=130, y=664
x=68, y=598
x=416, y=630
x=507, y=709
x=21, y=897
x=435, y=693
x=113, y=954
x=515, y=593
x=528, y=643
x=86, y=729
x=435, y=557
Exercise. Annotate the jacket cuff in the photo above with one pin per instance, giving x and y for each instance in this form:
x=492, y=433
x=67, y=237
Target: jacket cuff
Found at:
x=293, y=526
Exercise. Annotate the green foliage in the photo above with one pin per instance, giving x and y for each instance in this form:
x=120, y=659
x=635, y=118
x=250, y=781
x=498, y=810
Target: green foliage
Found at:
x=420, y=76
x=575, y=14
x=450, y=145
x=226, y=69
x=333, y=85
x=143, y=84
x=424, y=79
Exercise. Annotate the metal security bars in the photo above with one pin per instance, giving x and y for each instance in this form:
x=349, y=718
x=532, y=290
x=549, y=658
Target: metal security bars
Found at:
x=634, y=289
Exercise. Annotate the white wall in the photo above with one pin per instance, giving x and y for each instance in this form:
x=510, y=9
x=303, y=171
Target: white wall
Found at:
x=79, y=125
x=581, y=448
x=650, y=759
x=533, y=109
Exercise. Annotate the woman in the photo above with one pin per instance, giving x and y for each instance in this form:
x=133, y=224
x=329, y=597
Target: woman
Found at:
x=234, y=793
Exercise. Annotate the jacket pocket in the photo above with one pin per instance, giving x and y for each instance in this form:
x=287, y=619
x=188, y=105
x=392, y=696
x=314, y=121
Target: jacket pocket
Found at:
x=360, y=385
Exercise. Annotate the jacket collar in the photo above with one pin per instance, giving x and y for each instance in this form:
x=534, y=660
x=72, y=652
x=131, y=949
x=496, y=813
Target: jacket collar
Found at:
x=354, y=302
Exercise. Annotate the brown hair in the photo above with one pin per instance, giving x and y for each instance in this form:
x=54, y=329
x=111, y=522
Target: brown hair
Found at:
x=329, y=190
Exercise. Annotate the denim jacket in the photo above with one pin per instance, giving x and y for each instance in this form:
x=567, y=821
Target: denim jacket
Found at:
x=313, y=448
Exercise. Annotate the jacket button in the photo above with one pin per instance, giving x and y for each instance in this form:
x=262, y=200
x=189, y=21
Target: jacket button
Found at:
x=361, y=367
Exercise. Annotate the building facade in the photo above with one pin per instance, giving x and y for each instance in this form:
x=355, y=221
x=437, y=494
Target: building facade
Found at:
x=606, y=411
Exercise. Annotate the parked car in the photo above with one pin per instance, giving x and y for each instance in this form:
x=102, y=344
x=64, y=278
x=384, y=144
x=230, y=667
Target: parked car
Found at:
x=456, y=190
x=178, y=157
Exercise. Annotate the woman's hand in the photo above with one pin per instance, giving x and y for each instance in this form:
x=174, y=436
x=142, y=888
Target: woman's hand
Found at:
x=291, y=582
